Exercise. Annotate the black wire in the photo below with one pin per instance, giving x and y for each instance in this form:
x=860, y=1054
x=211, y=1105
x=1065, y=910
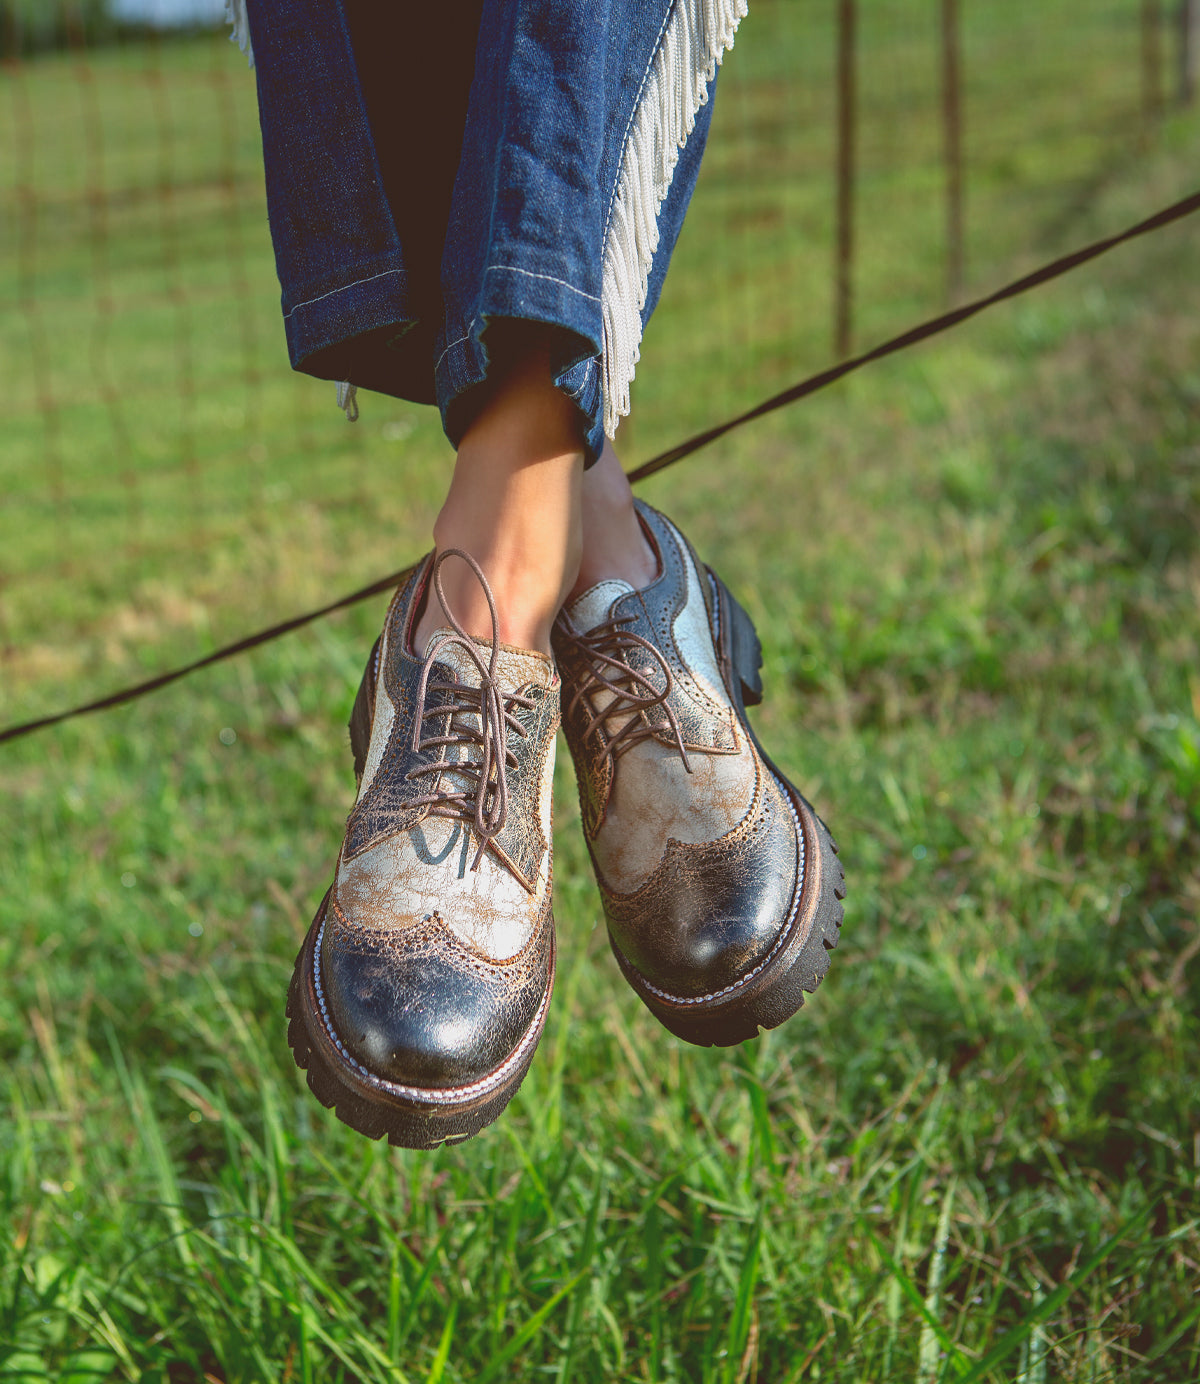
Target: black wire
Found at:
x=127, y=694
x=921, y=332
x=1175, y=212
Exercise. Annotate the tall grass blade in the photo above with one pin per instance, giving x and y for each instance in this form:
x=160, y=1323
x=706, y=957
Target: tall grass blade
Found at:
x=927, y=1362
x=1011, y=1339
x=911, y=1292
x=438, y=1368
x=146, y=1121
x=1034, y=1351
x=529, y=1330
x=587, y=1254
x=739, y=1325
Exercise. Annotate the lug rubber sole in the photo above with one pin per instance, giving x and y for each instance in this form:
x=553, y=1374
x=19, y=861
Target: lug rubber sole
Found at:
x=773, y=990
x=410, y=1117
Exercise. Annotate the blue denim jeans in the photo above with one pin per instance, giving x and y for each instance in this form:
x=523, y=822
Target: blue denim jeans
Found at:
x=439, y=176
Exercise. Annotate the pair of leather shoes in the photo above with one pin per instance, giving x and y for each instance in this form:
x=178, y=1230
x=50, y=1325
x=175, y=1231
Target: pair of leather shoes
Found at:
x=422, y=988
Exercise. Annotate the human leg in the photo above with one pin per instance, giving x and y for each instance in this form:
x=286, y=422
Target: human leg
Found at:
x=613, y=541
x=421, y=990
x=562, y=218
x=514, y=504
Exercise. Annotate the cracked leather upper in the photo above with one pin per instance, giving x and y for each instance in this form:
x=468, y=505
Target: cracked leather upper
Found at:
x=698, y=872
x=433, y=971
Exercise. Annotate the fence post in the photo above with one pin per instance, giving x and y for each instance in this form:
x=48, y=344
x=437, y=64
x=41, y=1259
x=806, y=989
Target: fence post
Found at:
x=10, y=32
x=1189, y=50
x=952, y=132
x=844, y=253
x=1152, y=63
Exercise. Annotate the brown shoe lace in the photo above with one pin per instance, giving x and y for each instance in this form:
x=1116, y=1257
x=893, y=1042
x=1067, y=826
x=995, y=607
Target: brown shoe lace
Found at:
x=605, y=651
x=484, y=799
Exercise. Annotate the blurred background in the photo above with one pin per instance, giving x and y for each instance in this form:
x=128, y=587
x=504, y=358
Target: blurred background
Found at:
x=873, y=163
x=975, y=569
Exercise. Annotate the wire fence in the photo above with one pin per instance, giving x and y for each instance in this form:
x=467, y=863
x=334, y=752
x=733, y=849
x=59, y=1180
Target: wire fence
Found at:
x=869, y=166
x=1186, y=206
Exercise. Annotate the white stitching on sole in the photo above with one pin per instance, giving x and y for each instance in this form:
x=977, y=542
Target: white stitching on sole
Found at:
x=451, y=1095
x=783, y=934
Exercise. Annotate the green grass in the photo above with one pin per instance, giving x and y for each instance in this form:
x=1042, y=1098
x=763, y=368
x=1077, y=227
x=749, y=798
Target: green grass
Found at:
x=975, y=1155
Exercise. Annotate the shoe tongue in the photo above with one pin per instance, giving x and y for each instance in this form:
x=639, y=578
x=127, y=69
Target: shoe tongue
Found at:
x=514, y=667
x=596, y=603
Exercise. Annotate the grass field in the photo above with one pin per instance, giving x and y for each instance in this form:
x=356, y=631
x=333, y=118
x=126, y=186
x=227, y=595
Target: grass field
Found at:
x=975, y=1155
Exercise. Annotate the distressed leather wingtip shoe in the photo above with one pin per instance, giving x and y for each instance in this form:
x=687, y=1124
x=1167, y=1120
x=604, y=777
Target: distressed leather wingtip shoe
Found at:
x=421, y=990
x=721, y=886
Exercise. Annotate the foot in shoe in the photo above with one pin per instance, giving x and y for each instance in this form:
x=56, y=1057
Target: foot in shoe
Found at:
x=422, y=988
x=720, y=885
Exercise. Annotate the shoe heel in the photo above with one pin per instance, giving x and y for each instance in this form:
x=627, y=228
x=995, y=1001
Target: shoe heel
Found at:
x=362, y=714
x=740, y=644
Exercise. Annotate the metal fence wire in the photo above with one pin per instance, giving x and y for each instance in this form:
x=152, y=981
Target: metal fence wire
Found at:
x=870, y=166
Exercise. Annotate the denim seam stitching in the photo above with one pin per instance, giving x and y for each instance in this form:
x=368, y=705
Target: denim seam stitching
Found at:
x=308, y=302
x=577, y=394
x=450, y=348
x=550, y=278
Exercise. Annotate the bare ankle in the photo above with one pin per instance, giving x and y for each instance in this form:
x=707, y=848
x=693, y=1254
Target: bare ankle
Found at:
x=514, y=505
x=614, y=542
x=527, y=593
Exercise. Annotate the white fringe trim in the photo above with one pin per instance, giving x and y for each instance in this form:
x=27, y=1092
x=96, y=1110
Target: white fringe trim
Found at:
x=347, y=400
x=235, y=14
x=694, y=39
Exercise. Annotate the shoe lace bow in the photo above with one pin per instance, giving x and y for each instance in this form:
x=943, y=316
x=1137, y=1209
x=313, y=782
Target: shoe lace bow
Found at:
x=479, y=717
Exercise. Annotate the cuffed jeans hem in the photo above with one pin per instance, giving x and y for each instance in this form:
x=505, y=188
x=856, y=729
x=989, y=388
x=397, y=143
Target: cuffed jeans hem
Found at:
x=463, y=367
x=510, y=292
x=363, y=296
x=363, y=330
